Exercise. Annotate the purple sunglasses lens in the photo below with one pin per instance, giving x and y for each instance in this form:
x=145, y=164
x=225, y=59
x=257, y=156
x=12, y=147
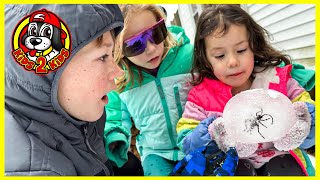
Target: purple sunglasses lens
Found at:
x=137, y=45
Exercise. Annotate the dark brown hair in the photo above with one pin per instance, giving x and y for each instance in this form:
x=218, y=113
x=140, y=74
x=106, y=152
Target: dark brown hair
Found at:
x=221, y=17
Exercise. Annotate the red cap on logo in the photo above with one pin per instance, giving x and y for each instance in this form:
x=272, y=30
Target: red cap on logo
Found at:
x=48, y=17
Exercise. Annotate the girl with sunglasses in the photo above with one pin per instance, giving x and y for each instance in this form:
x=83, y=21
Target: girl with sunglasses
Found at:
x=153, y=92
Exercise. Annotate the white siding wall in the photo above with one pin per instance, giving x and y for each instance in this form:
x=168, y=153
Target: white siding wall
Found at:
x=292, y=27
x=187, y=20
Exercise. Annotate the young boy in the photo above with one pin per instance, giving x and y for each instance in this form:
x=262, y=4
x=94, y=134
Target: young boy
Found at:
x=59, y=66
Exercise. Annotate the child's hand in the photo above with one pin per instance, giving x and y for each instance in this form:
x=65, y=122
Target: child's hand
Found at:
x=310, y=140
x=219, y=135
x=245, y=150
x=199, y=136
x=224, y=141
x=298, y=132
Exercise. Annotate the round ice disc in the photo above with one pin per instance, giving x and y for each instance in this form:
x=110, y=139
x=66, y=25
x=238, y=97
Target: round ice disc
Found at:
x=258, y=115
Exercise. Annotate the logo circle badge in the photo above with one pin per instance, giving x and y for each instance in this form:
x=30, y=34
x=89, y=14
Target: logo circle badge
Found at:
x=41, y=42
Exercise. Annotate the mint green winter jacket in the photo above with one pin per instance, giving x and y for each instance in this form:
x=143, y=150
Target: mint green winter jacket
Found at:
x=155, y=107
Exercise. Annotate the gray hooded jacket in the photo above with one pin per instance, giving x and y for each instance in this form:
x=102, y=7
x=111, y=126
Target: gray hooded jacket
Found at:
x=40, y=137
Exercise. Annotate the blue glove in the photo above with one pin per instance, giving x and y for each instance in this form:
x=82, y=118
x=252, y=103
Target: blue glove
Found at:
x=198, y=137
x=310, y=141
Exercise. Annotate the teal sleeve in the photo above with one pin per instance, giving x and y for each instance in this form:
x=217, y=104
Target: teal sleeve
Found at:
x=305, y=77
x=117, y=129
x=181, y=137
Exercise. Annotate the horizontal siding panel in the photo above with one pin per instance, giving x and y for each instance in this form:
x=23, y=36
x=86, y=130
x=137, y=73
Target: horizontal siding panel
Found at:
x=301, y=18
x=284, y=14
x=267, y=11
x=292, y=28
x=300, y=42
x=254, y=8
x=302, y=53
x=294, y=32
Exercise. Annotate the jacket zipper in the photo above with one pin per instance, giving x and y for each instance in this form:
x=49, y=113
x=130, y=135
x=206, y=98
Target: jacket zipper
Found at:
x=85, y=130
x=95, y=154
x=166, y=111
x=178, y=101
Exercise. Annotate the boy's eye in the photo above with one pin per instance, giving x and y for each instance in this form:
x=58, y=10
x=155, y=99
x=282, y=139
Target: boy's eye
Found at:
x=104, y=57
x=241, y=51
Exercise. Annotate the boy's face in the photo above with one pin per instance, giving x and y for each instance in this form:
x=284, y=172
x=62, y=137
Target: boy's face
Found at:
x=87, y=79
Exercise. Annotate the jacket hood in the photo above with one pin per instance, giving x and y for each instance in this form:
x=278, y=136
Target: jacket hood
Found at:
x=34, y=96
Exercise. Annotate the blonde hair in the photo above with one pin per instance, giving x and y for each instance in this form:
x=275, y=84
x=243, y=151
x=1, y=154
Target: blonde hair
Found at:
x=128, y=11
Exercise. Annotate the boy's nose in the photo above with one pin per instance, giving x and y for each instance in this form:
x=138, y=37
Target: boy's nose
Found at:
x=117, y=71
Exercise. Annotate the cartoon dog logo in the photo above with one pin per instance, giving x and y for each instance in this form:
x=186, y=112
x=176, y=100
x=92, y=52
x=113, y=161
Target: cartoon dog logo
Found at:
x=41, y=42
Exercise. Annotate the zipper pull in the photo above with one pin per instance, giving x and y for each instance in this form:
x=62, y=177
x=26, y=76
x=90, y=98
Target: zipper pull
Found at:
x=86, y=135
x=160, y=90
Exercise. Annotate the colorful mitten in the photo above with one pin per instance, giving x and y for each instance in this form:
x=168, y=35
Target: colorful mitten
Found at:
x=219, y=135
x=298, y=132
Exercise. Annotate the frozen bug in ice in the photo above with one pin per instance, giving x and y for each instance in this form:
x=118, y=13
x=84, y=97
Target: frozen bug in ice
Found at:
x=257, y=121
